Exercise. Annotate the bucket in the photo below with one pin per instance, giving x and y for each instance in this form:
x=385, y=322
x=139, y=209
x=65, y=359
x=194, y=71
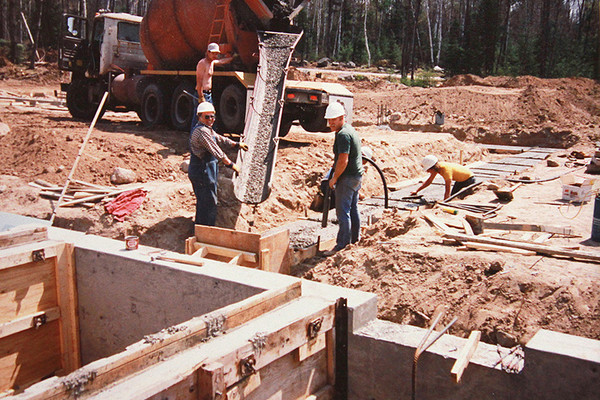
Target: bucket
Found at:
x=439, y=118
x=596, y=220
x=132, y=242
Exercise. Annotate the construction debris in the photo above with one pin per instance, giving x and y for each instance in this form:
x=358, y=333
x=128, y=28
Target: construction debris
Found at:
x=80, y=192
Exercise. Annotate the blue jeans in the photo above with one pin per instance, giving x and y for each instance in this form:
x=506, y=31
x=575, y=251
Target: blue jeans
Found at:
x=203, y=175
x=346, y=209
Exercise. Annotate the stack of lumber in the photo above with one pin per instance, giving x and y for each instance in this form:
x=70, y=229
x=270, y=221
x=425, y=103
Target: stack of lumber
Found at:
x=79, y=192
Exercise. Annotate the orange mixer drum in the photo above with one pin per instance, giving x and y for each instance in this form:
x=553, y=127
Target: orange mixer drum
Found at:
x=174, y=33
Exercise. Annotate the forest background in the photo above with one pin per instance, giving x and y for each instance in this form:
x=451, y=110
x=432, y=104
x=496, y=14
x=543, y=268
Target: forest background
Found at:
x=544, y=38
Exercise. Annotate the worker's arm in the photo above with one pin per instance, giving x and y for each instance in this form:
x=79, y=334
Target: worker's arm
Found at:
x=448, y=185
x=340, y=167
x=432, y=175
x=223, y=61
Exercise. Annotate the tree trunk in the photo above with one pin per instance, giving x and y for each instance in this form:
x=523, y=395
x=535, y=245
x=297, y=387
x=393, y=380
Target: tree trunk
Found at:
x=365, y=32
x=13, y=20
x=416, y=11
x=429, y=31
x=36, y=33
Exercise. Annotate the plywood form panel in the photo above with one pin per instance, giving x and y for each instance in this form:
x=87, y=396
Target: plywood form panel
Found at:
x=27, y=289
x=228, y=238
x=29, y=356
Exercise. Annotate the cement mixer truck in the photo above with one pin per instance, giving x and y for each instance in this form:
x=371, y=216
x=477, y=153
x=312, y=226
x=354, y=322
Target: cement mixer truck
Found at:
x=147, y=64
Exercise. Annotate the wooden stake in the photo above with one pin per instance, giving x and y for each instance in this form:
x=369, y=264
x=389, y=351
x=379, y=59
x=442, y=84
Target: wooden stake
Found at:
x=87, y=136
x=465, y=355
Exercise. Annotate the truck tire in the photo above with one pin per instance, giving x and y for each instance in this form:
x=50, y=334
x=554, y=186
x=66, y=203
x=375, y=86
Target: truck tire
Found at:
x=232, y=109
x=78, y=101
x=154, y=106
x=285, y=126
x=315, y=121
x=182, y=107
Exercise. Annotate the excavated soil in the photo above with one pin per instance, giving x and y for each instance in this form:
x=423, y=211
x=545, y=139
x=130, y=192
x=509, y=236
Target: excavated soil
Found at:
x=401, y=258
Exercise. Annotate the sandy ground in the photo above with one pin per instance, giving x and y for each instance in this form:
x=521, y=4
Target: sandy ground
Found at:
x=401, y=257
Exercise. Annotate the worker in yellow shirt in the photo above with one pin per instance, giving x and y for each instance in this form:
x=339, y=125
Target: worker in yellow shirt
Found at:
x=461, y=175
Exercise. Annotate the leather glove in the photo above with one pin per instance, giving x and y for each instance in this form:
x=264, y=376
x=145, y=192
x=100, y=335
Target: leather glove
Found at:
x=243, y=146
x=236, y=168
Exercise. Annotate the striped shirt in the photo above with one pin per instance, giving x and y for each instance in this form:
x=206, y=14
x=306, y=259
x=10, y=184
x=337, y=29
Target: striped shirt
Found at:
x=204, y=139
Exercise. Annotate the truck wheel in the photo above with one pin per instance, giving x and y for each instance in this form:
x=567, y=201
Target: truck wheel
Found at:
x=153, y=106
x=232, y=109
x=182, y=107
x=78, y=101
x=315, y=121
x=285, y=126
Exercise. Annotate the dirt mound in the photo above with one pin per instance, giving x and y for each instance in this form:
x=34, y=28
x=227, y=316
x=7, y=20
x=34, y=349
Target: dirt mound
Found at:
x=412, y=276
x=42, y=74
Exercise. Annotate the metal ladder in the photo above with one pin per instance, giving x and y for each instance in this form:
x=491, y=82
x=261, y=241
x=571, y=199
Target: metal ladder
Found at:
x=218, y=24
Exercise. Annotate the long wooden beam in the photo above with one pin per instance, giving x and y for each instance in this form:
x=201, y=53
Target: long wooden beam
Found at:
x=155, y=348
x=538, y=248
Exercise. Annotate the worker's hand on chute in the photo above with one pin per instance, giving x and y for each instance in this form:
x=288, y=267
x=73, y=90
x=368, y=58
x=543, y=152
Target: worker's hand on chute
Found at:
x=236, y=168
x=243, y=146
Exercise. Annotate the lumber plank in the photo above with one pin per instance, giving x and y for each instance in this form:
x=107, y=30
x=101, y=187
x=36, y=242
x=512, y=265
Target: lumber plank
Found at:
x=562, y=230
x=278, y=258
x=15, y=256
x=466, y=226
x=282, y=331
x=229, y=238
x=27, y=289
x=542, y=238
x=67, y=301
x=147, y=353
x=27, y=322
x=17, y=236
x=326, y=393
x=465, y=355
x=98, y=196
x=228, y=252
x=312, y=347
x=492, y=247
x=211, y=382
x=29, y=356
x=538, y=248
x=438, y=223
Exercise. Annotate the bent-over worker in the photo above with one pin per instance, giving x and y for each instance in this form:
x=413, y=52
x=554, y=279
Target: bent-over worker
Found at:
x=347, y=175
x=461, y=175
x=206, y=152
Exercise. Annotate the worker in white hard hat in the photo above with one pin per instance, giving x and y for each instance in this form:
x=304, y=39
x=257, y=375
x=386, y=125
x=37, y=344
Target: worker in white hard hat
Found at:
x=461, y=175
x=204, y=72
x=206, y=152
x=347, y=175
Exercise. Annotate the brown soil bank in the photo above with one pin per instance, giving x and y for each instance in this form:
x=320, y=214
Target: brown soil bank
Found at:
x=522, y=111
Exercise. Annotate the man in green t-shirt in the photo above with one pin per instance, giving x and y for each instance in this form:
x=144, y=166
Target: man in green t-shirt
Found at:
x=347, y=175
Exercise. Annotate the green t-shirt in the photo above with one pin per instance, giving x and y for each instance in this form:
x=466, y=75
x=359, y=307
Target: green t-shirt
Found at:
x=348, y=142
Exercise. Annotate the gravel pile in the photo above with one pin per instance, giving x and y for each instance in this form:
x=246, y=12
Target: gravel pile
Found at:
x=252, y=186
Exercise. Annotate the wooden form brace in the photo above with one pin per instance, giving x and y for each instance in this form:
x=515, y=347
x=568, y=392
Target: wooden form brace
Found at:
x=149, y=354
x=267, y=251
x=39, y=333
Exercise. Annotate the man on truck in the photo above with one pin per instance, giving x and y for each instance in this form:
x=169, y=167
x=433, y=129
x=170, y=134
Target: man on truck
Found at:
x=204, y=72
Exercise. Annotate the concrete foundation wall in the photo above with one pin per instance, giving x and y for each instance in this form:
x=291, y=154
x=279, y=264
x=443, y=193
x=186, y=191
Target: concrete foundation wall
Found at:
x=122, y=299
x=381, y=359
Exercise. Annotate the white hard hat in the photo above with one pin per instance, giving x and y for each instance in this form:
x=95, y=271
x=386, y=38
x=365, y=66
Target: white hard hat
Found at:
x=214, y=48
x=428, y=162
x=334, y=110
x=205, y=106
x=366, y=152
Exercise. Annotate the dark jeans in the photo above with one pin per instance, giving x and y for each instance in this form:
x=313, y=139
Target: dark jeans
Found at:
x=458, y=186
x=203, y=175
x=346, y=209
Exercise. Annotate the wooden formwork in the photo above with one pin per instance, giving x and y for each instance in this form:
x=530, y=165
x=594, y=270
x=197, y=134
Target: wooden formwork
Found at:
x=267, y=251
x=276, y=344
x=38, y=312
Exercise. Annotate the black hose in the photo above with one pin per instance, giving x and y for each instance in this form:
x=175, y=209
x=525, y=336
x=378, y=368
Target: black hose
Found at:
x=385, y=188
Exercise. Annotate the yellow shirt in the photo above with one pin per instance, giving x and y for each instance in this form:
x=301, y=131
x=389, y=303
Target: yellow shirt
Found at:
x=454, y=172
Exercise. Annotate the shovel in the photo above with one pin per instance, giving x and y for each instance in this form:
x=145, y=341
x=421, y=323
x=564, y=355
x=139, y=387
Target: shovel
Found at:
x=506, y=194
